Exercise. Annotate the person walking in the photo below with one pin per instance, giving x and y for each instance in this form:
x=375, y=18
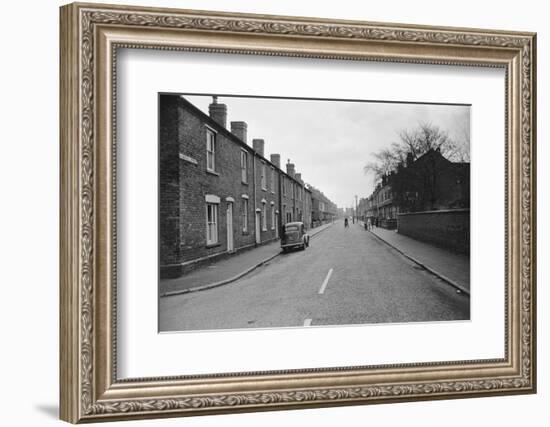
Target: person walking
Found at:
x=346, y=222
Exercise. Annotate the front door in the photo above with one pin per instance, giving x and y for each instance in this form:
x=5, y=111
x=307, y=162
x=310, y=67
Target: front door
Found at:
x=229, y=217
x=277, y=225
x=258, y=219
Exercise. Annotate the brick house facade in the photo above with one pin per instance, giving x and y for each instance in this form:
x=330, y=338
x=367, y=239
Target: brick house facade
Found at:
x=323, y=209
x=218, y=195
x=428, y=183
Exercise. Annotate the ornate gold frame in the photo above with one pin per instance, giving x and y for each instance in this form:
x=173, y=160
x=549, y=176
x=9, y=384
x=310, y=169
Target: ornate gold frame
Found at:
x=90, y=35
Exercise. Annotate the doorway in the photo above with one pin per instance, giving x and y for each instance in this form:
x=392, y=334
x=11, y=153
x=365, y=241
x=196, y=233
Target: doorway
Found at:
x=258, y=220
x=229, y=219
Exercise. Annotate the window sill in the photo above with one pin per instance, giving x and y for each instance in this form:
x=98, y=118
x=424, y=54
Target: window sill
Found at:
x=211, y=172
x=244, y=182
x=213, y=245
x=246, y=233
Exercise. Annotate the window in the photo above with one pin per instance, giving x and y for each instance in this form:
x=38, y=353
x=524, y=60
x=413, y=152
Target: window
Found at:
x=273, y=217
x=211, y=223
x=264, y=212
x=244, y=166
x=263, y=178
x=210, y=150
x=244, y=214
x=284, y=186
x=273, y=180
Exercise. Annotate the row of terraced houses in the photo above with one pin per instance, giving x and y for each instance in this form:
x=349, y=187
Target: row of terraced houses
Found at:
x=219, y=195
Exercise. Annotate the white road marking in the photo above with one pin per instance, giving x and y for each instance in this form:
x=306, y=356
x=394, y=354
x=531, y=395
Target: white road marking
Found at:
x=307, y=322
x=325, y=282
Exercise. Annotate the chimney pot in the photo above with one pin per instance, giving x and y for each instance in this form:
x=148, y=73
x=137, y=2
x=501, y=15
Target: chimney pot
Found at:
x=290, y=169
x=218, y=112
x=258, y=146
x=239, y=129
x=276, y=160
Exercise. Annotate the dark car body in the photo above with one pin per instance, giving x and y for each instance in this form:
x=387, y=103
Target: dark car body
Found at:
x=294, y=235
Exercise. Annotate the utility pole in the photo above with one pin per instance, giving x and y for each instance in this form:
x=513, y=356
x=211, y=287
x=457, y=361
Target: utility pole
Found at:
x=356, y=216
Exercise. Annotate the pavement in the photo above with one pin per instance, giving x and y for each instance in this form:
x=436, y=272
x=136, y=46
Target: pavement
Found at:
x=226, y=270
x=451, y=267
x=346, y=276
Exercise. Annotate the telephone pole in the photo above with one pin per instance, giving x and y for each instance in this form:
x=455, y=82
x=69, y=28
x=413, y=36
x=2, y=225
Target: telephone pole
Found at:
x=356, y=216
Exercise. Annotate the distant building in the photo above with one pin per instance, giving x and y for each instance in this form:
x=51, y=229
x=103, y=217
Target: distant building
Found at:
x=218, y=195
x=427, y=199
x=431, y=182
x=323, y=209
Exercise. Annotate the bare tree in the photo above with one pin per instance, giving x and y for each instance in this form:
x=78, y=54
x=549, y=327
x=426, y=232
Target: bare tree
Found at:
x=417, y=142
x=384, y=162
x=418, y=187
x=462, y=145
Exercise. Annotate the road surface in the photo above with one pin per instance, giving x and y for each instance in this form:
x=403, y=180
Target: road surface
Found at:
x=346, y=276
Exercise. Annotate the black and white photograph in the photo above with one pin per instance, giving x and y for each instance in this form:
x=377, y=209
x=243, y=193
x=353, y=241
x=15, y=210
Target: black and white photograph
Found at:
x=292, y=212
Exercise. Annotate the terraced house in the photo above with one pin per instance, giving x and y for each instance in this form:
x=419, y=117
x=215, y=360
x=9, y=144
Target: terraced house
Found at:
x=218, y=194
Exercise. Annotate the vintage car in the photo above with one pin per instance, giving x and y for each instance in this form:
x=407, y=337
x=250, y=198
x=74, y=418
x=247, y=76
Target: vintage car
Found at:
x=294, y=235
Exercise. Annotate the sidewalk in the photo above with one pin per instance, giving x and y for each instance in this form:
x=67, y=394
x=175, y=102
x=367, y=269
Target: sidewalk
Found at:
x=451, y=267
x=227, y=270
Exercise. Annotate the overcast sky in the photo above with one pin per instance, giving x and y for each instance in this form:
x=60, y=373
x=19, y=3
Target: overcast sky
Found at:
x=331, y=141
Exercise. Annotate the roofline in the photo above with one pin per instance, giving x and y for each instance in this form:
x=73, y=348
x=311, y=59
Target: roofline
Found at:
x=214, y=124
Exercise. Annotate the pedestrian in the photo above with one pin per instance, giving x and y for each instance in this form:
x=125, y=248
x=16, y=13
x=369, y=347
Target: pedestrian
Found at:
x=346, y=223
x=369, y=225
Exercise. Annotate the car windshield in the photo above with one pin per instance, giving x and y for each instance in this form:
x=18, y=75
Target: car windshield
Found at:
x=292, y=228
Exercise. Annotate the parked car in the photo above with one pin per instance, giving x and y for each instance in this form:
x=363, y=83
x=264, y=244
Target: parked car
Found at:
x=294, y=235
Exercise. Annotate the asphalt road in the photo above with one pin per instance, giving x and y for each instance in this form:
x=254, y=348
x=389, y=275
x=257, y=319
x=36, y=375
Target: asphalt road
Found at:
x=346, y=276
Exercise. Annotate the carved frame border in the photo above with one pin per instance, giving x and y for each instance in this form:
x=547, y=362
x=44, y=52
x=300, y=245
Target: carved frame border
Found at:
x=85, y=395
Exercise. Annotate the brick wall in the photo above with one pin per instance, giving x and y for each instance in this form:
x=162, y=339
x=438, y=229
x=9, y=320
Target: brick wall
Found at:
x=449, y=229
x=271, y=198
x=185, y=183
x=287, y=204
x=169, y=181
x=196, y=182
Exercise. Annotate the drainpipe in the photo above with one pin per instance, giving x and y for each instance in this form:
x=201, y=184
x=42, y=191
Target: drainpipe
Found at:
x=254, y=192
x=280, y=197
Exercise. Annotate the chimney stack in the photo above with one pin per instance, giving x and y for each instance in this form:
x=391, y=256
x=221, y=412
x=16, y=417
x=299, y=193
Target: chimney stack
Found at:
x=290, y=169
x=276, y=160
x=298, y=177
x=218, y=112
x=258, y=146
x=239, y=130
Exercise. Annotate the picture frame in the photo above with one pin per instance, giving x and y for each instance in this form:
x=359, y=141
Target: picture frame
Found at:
x=91, y=34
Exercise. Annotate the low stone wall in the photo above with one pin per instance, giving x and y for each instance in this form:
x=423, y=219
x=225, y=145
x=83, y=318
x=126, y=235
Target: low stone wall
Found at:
x=448, y=229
